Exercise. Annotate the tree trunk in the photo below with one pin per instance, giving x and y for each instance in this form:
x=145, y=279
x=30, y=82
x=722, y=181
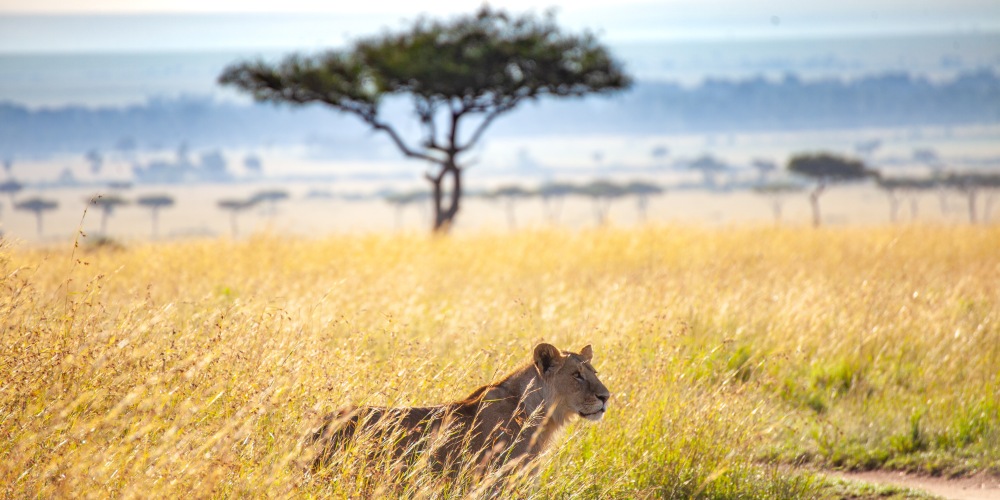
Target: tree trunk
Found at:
x=104, y=221
x=971, y=194
x=814, y=201
x=601, y=208
x=893, y=206
x=988, y=208
x=155, y=213
x=232, y=223
x=641, y=205
x=553, y=207
x=511, y=221
x=776, y=209
x=38, y=222
x=445, y=217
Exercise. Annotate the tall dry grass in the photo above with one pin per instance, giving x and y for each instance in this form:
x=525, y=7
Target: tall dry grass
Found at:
x=196, y=367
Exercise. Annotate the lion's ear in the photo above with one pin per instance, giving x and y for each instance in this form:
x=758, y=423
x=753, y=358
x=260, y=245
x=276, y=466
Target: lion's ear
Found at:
x=587, y=353
x=547, y=357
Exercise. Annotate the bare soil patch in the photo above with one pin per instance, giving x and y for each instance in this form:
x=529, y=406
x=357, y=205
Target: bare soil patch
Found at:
x=979, y=487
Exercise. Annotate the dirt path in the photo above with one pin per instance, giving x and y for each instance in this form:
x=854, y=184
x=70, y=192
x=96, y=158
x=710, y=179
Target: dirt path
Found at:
x=970, y=488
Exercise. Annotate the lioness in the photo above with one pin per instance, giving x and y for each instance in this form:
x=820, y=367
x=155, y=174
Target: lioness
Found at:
x=505, y=424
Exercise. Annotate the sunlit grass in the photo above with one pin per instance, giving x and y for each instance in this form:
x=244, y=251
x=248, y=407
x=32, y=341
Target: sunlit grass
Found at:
x=733, y=355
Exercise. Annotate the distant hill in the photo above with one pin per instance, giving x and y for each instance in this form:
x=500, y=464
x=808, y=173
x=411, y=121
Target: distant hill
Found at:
x=891, y=99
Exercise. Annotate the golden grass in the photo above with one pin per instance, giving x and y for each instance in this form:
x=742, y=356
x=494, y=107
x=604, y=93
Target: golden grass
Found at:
x=196, y=367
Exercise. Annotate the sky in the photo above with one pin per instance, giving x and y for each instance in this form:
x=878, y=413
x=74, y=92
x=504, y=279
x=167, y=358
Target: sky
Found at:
x=58, y=25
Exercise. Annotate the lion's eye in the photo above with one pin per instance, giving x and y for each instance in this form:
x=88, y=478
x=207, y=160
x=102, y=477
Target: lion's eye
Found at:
x=578, y=376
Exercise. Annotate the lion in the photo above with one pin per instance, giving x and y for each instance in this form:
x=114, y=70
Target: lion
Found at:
x=499, y=426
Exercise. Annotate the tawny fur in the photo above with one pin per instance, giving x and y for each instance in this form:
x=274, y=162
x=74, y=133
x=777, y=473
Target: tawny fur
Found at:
x=504, y=424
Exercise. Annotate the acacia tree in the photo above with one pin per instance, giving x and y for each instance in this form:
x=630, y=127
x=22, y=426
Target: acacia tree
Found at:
x=11, y=187
x=894, y=186
x=602, y=193
x=642, y=190
x=827, y=169
x=235, y=207
x=271, y=197
x=39, y=206
x=107, y=204
x=553, y=193
x=401, y=200
x=777, y=191
x=471, y=69
x=154, y=202
x=971, y=184
x=509, y=196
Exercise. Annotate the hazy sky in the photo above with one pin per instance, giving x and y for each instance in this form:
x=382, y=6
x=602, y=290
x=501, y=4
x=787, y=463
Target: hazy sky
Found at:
x=42, y=25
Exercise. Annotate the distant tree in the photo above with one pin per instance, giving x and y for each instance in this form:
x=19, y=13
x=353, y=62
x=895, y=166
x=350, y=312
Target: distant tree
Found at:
x=11, y=187
x=553, y=194
x=710, y=167
x=827, y=169
x=66, y=177
x=642, y=190
x=253, y=165
x=8, y=165
x=39, y=206
x=602, y=193
x=971, y=184
x=932, y=160
x=764, y=168
x=868, y=147
x=927, y=156
x=183, y=153
x=399, y=201
x=476, y=67
x=271, y=197
x=509, y=195
x=107, y=203
x=95, y=159
x=777, y=192
x=235, y=207
x=126, y=147
x=214, y=164
x=894, y=187
x=319, y=194
x=155, y=202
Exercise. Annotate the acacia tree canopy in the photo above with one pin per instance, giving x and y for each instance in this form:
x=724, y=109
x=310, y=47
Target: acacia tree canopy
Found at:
x=827, y=168
x=470, y=68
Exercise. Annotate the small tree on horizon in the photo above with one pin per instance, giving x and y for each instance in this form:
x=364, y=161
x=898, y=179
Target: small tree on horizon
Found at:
x=509, y=195
x=271, y=197
x=107, y=203
x=777, y=191
x=894, y=186
x=155, y=202
x=602, y=193
x=399, y=201
x=971, y=184
x=235, y=207
x=473, y=68
x=827, y=169
x=642, y=190
x=11, y=187
x=39, y=206
x=553, y=194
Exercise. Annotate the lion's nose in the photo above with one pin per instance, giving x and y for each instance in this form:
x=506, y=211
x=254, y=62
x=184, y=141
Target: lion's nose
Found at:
x=603, y=397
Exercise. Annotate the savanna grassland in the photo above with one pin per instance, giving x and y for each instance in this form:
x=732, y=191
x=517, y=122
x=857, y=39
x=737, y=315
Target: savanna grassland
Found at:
x=739, y=358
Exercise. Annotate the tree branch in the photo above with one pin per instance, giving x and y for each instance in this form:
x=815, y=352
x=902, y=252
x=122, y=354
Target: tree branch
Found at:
x=499, y=110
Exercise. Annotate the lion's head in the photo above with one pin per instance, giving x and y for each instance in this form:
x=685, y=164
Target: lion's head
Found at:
x=572, y=381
